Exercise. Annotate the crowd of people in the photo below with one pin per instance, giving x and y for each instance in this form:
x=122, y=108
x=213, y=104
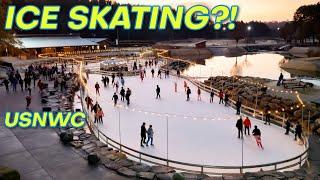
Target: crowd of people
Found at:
x=34, y=76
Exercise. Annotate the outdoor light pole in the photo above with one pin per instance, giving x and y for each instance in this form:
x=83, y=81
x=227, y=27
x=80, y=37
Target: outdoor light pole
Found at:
x=241, y=154
x=119, y=129
x=167, y=140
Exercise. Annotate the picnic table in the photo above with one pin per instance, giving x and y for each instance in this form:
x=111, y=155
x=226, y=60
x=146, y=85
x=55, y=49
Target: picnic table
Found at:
x=294, y=84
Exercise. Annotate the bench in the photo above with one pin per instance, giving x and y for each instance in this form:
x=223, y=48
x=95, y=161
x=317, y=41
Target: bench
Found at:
x=293, y=84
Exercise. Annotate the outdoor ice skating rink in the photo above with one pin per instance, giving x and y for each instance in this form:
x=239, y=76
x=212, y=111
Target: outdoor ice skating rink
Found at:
x=199, y=132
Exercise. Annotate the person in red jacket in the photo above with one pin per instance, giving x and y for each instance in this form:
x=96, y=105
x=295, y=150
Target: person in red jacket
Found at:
x=247, y=126
x=221, y=97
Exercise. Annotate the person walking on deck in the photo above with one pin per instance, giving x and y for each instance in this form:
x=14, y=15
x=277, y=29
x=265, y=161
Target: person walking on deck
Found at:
x=28, y=101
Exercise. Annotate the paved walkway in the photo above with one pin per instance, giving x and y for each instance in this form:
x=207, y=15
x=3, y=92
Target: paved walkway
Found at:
x=38, y=153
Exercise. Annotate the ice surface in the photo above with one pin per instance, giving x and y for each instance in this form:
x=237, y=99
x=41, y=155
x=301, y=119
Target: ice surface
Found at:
x=208, y=137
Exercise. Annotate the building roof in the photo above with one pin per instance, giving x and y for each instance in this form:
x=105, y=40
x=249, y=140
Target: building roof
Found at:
x=61, y=41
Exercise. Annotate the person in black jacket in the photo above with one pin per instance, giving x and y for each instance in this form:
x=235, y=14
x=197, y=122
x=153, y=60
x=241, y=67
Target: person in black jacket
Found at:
x=128, y=94
x=143, y=133
x=298, y=132
x=238, y=106
x=226, y=99
x=257, y=134
x=239, y=126
x=188, y=93
x=211, y=96
x=288, y=125
x=122, y=93
x=158, y=92
x=115, y=99
x=6, y=84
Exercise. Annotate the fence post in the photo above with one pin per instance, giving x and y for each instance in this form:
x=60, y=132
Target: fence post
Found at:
x=300, y=162
x=140, y=158
x=275, y=167
x=201, y=169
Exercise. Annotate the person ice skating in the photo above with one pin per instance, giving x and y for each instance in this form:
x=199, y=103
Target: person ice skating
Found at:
x=267, y=118
x=143, y=132
x=199, y=94
x=97, y=86
x=152, y=72
x=117, y=86
x=104, y=80
x=185, y=86
x=188, y=93
x=298, y=132
x=150, y=135
x=122, y=81
x=100, y=115
x=257, y=135
x=88, y=101
x=175, y=87
x=158, y=92
x=287, y=126
x=239, y=126
x=247, y=125
x=159, y=73
x=122, y=94
x=238, y=106
x=226, y=99
x=220, y=97
x=95, y=107
x=6, y=84
x=28, y=100
x=141, y=76
x=115, y=99
x=107, y=80
x=211, y=96
x=144, y=72
x=178, y=73
x=112, y=78
x=128, y=94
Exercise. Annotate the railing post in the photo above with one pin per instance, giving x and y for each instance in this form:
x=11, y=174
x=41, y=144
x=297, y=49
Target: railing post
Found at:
x=140, y=158
x=241, y=171
x=300, y=161
x=275, y=167
x=201, y=169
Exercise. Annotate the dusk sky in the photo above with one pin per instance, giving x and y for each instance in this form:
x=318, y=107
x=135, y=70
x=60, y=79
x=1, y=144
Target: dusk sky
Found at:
x=264, y=10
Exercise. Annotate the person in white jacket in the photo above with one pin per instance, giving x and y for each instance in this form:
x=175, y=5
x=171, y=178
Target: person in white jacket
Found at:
x=150, y=135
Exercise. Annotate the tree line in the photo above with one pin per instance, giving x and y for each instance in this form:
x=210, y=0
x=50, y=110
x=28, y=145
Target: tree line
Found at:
x=305, y=25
